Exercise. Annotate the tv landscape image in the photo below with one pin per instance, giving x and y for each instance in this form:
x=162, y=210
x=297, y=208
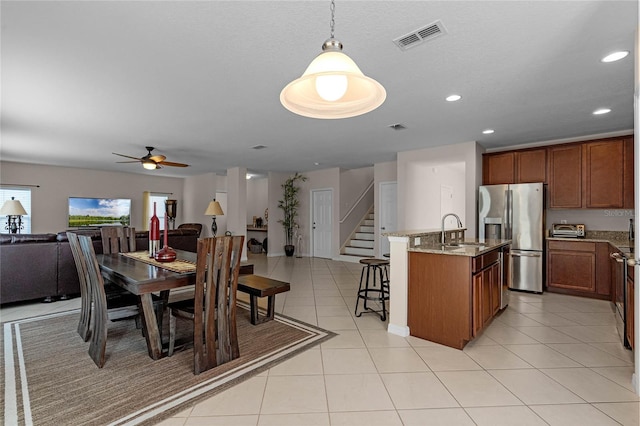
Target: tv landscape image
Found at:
x=99, y=212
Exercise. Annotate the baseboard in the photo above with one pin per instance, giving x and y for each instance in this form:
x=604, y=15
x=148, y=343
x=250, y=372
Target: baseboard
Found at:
x=399, y=330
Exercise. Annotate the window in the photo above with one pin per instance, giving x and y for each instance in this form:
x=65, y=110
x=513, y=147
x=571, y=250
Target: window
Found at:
x=159, y=199
x=22, y=195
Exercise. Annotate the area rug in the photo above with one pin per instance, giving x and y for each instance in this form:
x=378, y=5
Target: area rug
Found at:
x=49, y=378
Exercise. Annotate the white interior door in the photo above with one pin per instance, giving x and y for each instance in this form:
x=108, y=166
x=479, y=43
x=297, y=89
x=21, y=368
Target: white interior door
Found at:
x=321, y=223
x=388, y=213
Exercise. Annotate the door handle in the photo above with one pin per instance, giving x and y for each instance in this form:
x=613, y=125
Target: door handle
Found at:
x=525, y=255
x=383, y=228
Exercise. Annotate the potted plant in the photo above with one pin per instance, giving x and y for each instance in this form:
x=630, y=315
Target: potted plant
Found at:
x=289, y=205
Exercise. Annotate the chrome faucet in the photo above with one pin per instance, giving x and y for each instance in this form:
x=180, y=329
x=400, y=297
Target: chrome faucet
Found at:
x=442, y=237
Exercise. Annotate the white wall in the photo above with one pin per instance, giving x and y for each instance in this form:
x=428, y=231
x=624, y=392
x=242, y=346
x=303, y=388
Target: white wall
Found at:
x=421, y=199
x=49, y=202
x=383, y=172
x=198, y=191
x=257, y=198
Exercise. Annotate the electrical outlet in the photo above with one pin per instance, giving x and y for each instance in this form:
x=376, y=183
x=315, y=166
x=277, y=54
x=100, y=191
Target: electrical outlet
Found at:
x=416, y=241
x=563, y=221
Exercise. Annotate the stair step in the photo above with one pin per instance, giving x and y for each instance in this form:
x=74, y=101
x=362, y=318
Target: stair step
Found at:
x=365, y=236
x=358, y=251
x=364, y=228
x=362, y=243
x=368, y=222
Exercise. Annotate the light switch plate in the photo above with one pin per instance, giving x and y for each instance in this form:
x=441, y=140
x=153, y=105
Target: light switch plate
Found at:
x=416, y=241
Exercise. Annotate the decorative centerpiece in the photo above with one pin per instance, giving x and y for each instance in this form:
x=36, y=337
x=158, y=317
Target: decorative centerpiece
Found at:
x=154, y=234
x=167, y=254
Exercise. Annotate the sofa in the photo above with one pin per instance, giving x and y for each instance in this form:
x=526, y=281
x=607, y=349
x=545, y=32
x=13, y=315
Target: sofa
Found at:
x=41, y=266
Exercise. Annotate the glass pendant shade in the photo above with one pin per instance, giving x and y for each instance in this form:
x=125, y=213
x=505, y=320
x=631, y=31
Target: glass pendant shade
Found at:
x=332, y=87
x=149, y=165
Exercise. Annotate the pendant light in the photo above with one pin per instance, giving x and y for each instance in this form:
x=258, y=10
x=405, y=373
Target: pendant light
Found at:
x=332, y=86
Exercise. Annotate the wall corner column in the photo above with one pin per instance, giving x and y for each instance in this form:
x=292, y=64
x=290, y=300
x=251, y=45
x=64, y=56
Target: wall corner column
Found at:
x=399, y=286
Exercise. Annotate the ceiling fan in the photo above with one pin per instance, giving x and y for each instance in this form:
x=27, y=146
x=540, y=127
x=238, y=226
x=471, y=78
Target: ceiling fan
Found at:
x=151, y=162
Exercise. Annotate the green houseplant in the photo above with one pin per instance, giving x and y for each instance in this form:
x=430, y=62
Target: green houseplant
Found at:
x=289, y=205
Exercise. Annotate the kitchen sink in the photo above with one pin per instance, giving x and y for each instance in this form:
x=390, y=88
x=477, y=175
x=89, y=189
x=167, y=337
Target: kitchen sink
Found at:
x=463, y=244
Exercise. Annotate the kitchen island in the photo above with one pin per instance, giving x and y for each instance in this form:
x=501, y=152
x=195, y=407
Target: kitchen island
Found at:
x=445, y=293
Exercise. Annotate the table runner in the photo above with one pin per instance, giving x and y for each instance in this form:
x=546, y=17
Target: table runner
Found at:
x=180, y=266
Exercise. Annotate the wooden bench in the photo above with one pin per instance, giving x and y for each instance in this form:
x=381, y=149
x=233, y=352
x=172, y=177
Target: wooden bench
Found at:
x=257, y=286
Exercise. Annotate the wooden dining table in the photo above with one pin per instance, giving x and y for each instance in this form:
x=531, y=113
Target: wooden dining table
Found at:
x=144, y=279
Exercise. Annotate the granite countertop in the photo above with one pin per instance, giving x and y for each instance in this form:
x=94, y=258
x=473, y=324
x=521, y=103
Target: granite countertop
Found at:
x=620, y=239
x=470, y=247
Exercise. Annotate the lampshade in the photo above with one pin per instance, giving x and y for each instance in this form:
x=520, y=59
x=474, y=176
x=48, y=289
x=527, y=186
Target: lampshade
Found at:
x=332, y=86
x=311, y=95
x=214, y=209
x=13, y=207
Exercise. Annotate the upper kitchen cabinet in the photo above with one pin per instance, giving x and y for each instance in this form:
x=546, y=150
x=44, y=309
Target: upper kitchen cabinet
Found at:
x=524, y=166
x=604, y=174
x=565, y=176
x=592, y=175
x=498, y=168
x=531, y=166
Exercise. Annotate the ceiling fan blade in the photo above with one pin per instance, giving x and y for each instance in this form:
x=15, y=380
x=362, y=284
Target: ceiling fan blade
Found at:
x=172, y=164
x=157, y=158
x=136, y=161
x=126, y=156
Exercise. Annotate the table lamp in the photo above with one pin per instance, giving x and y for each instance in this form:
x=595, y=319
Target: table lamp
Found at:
x=14, y=211
x=214, y=210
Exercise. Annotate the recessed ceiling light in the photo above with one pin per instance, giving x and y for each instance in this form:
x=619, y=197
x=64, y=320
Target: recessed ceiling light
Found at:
x=316, y=164
x=487, y=131
x=601, y=111
x=453, y=98
x=615, y=56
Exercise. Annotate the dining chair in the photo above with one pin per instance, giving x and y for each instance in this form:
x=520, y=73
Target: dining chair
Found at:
x=85, y=292
x=117, y=308
x=118, y=239
x=213, y=308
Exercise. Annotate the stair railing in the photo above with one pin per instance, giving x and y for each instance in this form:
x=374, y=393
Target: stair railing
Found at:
x=360, y=198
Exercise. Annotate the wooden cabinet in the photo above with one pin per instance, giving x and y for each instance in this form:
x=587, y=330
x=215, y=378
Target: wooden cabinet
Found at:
x=525, y=166
x=604, y=174
x=580, y=268
x=486, y=294
x=593, y=174
x=630, y=310
x=452, y=298
x=498, y=168
x=565, y=176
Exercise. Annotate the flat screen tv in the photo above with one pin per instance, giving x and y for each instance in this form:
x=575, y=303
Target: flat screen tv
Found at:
x=99, y=212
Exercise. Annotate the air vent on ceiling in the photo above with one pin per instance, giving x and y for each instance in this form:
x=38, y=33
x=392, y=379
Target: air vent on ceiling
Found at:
x=397, y=126
x=258, y=147
x=419, y=36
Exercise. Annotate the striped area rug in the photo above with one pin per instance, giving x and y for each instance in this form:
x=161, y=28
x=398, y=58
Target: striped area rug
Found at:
x=49, y=378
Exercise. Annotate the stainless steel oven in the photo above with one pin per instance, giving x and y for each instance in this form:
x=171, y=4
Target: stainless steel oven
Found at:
x=619, y=276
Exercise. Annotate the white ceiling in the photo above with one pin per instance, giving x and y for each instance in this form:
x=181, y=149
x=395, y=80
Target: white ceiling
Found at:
x=201, y=80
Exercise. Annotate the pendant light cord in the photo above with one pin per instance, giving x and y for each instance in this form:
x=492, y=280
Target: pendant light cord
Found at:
x=333, y=13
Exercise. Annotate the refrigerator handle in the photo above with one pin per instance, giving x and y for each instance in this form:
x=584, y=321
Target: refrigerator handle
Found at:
x=508, y=215
x=525, y=255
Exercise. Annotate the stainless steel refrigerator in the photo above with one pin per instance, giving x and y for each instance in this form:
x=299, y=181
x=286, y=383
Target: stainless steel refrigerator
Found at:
x=516, y=212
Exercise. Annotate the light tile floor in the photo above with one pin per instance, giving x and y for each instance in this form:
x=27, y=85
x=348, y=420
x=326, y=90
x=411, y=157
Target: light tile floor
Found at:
x=547, y=359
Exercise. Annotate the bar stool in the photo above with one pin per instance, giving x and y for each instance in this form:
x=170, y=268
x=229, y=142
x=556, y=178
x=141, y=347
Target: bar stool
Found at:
x=368, y=290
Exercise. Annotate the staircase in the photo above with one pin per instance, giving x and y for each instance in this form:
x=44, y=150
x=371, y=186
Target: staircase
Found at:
x=362, y=240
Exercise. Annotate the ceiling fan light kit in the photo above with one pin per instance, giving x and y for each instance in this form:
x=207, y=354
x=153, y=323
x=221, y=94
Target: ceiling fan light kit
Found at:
x=332, y=86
